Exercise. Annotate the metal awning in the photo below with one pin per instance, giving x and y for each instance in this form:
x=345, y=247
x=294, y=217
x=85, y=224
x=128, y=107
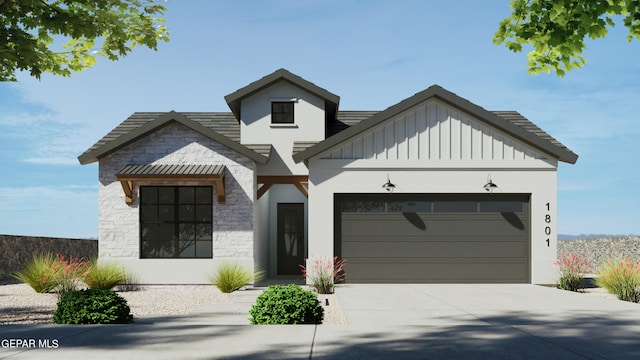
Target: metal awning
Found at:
x=130, y=173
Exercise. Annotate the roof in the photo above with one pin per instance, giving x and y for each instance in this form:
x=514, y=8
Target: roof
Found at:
x=192, y=171
x=233, y=100
x=510, y=122
x=220, y=127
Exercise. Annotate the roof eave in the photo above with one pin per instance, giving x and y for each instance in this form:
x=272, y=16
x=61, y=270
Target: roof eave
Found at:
x=458, y=102
x=233, y=100
x=163, y=120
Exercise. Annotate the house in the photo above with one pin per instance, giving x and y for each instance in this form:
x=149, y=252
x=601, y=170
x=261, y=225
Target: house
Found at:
x=432, y=189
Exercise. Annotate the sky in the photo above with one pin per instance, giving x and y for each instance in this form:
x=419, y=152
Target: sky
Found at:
x=372, y=54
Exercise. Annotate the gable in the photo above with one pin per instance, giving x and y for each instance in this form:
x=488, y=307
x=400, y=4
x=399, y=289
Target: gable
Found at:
x=434, y=130
x=511, y=124
x=215, y=126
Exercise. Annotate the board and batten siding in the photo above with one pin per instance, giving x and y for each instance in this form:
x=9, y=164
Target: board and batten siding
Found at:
x=434, y=131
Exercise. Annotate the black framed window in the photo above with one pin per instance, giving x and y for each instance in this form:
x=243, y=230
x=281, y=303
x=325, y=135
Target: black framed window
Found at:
x=282, y=112
x=176, y=221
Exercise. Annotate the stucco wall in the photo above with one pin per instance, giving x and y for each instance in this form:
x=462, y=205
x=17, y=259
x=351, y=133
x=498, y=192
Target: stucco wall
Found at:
x=327, y=177
x=233, y=222
x=256, y=127
x=16, y=251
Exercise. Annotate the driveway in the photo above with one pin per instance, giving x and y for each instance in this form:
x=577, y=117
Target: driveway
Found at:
x=412, y=321
x=488, y=321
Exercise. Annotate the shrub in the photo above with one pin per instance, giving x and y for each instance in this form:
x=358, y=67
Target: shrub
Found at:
x=231, y=276
x=92, y=306
x=289, y=304
x=38, y=273
x=105, y=275
x=621, y=278
x=572, y=269
x=68, y=273
x=322, y=273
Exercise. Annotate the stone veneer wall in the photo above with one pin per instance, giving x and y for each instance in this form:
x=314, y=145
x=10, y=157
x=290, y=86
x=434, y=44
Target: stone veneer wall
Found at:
x=598, y=250
x=233, y=222
x=16, y=251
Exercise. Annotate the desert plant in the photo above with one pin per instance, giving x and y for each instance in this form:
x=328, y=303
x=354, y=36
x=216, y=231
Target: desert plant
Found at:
x=290, y=304
x=231, y=276
x=69, y=273
x=621, y=278
x=130, y=283
x=92, y=306
x=105, y=275
x=323, y=272
x=572, y=268
x=38, y=273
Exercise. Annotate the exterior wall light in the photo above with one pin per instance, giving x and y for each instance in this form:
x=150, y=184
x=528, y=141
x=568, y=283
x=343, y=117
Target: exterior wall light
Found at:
x=389, y=186
x=489, y=186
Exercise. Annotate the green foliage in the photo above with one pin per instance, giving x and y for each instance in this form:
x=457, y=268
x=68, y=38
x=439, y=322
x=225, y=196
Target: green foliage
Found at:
x=323, y=272
x=289, y=304
x=231, y=276
x=46, y=272
x=105, y=275
x=556, y=29
x=572, y=269
x=38, y=273
x=29, y=39
x=92, y=306
x=621, y=278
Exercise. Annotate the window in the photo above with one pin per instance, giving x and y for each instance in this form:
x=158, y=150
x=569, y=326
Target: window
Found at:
x=176, y=221
x=282, y=112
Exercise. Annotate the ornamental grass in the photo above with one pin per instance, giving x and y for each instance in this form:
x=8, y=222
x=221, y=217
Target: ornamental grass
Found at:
x=572, y=269
x=620, y=277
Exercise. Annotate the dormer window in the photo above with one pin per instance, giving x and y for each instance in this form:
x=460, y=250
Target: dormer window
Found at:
x=282, y=112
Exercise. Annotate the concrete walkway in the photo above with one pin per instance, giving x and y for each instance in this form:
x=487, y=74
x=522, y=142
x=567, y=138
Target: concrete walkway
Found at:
x=385, y=321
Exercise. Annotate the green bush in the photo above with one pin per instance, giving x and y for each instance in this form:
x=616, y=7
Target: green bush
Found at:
x=231, y=276
x=38, y=273
x=92, y=306
x=105, y=275
x=621, y=278
x=289, y=304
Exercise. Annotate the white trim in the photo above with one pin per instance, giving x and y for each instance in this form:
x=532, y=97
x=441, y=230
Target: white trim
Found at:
x=539, y=164
x=283, y=126
x=284, y=99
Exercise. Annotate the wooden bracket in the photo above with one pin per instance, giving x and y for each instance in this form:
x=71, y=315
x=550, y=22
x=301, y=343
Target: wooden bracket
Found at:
x=127, y=187
x=298, y=181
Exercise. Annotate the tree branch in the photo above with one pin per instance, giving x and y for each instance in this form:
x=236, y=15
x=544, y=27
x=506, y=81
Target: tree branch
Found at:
x=4, y=4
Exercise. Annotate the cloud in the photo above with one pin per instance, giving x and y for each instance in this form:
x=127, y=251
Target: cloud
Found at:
x=33, y=133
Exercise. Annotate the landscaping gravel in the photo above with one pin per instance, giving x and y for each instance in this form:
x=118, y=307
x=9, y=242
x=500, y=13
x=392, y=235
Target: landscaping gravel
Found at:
x=19, y=304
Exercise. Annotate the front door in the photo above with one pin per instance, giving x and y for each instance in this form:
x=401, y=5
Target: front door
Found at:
x=290, y=238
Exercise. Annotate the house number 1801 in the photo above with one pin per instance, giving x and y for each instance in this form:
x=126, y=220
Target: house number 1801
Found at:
x=547, y=220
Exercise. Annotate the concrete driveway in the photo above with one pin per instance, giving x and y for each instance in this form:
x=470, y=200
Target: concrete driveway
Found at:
x=385, y=322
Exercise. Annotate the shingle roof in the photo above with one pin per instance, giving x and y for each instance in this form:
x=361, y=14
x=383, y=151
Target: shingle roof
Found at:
x=224, y=127
x=218, y=126
x=512, y=123
x=233, y=100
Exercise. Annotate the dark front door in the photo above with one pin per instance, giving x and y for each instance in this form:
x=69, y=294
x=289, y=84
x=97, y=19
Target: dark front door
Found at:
x=290, y=238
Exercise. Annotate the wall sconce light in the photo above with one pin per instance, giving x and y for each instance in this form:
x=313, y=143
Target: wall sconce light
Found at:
x=489, y=186
x=389, y=186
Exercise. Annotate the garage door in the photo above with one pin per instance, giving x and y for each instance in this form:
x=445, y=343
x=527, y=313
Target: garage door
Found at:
x=422, y=238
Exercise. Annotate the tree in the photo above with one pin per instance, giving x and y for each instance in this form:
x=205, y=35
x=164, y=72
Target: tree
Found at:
x=557, y=29
x=33, y=30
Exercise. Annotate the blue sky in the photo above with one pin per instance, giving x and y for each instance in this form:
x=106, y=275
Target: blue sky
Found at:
x=372, y=54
